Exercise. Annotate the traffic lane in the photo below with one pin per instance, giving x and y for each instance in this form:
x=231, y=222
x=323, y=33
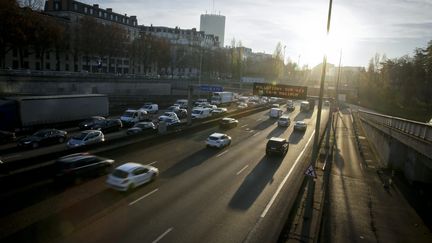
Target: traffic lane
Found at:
x=156, y=155
x=268, y=226
x=202, y=186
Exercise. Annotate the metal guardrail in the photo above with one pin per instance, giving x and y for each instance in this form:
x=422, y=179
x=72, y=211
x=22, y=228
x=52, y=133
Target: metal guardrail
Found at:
x=419, y=130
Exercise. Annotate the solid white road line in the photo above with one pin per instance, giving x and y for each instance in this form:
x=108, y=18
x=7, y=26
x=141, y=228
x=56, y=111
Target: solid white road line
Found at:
x=152, y=163
x=256, y=134
x=270, y=203
x=163, y=235
x=259, y=119
x=224, y=152
x=244, y=125
x=240, y=171
x=146, y=195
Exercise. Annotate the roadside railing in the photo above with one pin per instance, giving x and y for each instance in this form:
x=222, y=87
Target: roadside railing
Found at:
x=419, y=130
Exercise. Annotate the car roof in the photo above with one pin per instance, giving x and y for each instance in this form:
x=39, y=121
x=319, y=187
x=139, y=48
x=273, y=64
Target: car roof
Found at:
x=217, y=135
x=130, y=166
x=285, y=116
x=301, y=122
x=228, y=119
x=277, y=139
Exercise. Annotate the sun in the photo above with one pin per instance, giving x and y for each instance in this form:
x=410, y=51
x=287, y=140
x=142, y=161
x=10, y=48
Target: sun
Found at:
x=316, y=42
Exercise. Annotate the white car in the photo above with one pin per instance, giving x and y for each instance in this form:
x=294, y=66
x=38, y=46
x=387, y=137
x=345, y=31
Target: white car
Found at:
x=171, y=114
x=300, y=126
x=218, y=140
x=284, y=121
x=219, y=111
x=130, y=175
x=169, y=121
x=85, y=138
x=242, y=105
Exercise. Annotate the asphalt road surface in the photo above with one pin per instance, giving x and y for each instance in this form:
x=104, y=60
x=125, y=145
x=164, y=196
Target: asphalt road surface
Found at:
x=202, y=195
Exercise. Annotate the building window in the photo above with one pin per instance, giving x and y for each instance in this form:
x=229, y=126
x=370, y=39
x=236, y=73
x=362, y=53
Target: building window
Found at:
x=85, y=9
x=105, y=15
x=38, y=67
x=127, y=21
x=26, y=65
x=67, y=67
x=100, y=13
x=75, y=6
x=56, y=6
x=91, y=11
x=48, y=66
x=111, y=17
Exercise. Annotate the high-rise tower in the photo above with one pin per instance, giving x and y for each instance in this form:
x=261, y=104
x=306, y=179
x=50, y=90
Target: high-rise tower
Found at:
x=215, y=25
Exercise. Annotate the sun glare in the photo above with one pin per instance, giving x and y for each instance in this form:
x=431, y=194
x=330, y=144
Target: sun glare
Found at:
x=316, y=43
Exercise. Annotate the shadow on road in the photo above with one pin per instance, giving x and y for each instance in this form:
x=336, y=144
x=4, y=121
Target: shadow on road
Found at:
x=295, y=137
x=194, y=159
x=264, y=124
x=255, y=182
x=303, y=115
x=276, y=132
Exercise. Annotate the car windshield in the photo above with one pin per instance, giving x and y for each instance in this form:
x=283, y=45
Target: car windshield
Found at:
x=197, y=112
x=213, y=138
x=273, y=143
x=120, y=174
x=128, y=114
x=80, y=136
x=40, y=133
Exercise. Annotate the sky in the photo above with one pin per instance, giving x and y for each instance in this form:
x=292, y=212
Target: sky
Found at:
x=359, y=28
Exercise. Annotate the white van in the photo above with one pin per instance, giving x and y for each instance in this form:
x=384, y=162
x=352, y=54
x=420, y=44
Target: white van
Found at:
x=275, y=112
x=151, y=108
x=200, y=113
x=131, y=116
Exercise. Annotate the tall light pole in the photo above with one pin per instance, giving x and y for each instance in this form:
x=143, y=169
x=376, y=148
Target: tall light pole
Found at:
x=311, y=182
x=338, y=78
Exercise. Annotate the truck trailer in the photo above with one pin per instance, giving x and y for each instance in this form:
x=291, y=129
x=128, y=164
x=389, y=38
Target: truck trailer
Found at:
x=20, y=112
x=222, y=98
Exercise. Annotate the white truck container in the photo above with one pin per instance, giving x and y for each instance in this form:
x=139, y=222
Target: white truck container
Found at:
x=276, y=112
x=31, y=111
x=201, y=113
x=131, y=116
x=221, y=98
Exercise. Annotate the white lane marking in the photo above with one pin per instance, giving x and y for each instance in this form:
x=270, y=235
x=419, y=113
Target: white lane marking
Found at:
x=270, y=203
x=224, y=152
x=256, y=134
x=259, y=119
x=12, y=156
x=244, y=125
x=163, y=235
x=146, y=195
x=240, y=171
x=152, y=163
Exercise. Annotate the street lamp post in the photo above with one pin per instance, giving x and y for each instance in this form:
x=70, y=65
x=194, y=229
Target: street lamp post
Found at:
x=311, y=182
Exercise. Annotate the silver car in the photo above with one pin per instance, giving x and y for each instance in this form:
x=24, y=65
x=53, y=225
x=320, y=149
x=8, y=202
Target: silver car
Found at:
x=86, y=138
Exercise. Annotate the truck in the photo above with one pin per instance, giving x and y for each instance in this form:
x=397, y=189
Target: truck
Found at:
x=19, y=113
x=131, y=116
x=222, y=98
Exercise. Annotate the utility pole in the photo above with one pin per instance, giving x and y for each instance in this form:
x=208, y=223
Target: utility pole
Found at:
x=338, y=78
x=311, y=182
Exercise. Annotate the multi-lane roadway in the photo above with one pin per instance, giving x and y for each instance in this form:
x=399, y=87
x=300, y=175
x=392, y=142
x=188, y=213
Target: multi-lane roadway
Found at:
x=202, y=195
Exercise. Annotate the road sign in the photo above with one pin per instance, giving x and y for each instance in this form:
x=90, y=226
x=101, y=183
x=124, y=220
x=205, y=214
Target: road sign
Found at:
x=280, y=90
x=310, y=171
x=211, y=88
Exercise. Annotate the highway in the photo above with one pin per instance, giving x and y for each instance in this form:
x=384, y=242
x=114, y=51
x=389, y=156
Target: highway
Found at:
x=202, y=195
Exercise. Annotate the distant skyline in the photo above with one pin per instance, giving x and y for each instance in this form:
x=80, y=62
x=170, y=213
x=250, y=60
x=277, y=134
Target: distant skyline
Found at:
x=361, y=28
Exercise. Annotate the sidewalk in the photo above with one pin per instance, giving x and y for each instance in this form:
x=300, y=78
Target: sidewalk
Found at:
x=361, y=206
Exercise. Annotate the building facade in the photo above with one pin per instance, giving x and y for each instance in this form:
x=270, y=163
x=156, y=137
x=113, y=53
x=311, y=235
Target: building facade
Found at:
x=215, y=25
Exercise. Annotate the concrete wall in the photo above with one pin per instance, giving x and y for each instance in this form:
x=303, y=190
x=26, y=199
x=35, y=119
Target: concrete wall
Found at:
x=396, y=155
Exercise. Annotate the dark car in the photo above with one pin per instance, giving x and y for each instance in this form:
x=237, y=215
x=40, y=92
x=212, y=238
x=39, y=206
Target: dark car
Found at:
x=108, y=125
x=81, y=165
x=290, y=107
x=87, y=124
x=142, y=127
x=228, y=122
x=43, y=137
x=276, y=145
x=6, y=137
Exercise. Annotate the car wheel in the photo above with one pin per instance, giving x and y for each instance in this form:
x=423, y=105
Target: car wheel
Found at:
x=229, y=142
x=61, y=140
x=35, y=145
x=153, y=177
x=131, y=187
